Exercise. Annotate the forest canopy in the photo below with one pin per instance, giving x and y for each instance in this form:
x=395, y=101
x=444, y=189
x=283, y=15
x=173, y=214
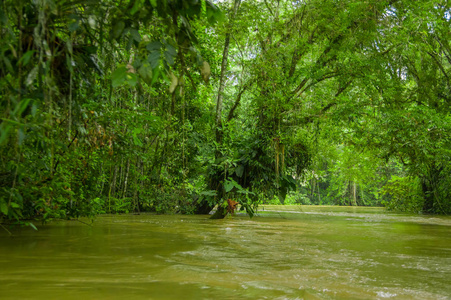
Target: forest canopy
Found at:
x=176, y=106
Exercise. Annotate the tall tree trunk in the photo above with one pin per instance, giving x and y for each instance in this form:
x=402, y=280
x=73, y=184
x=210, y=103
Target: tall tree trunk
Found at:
x=319, y=192
x=215, y=181
x=112, y=188
x=429, y=184
x=124, y=193
x=354, y=194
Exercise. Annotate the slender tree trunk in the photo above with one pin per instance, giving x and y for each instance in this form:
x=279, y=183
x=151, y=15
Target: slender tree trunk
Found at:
x=135, y=186
x=124, y=193
x=215, y=181
x=112, y=188
x=225, y=57
x=102, y=179
x=120, y=174
x=312, y=183
x=319, y=192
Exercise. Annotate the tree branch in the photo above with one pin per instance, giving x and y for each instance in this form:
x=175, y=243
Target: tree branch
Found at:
x=237, y=101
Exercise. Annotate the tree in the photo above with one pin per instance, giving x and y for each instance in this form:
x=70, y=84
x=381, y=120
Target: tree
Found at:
x=76, y=80
x=119, y=106
x=407, y=96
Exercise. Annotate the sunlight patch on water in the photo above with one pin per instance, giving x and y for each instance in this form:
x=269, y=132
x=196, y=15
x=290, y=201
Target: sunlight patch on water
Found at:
x=386, y=295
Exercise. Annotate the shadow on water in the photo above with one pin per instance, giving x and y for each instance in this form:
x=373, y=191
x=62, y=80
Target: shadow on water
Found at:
x=282, y=253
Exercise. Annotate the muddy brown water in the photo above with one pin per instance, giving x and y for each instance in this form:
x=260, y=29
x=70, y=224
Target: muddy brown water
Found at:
x=289, y=252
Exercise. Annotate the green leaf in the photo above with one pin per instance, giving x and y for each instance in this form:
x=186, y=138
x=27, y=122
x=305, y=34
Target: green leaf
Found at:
x=31, y=225
x=135, y=35
x=137, y=141
x=214, y=14
x=68, y=64
x=154, y=59
x=132, y=79
x=31, y=76
x=34, y=108
x=21, y=136
x=228, y=186
x=15, y=205
x=73, y=26
x=155, y=75
x=171, y=50
x=288, y=182
x=11, y=121
x=208, y=193
x=21, y=107
x=169, y=58
x=8, y=64
x=136, y=6
x=154, y=46
x=135, y=133
x=119, y=76
x=3, y=207
x=4, y=132
x=249, y=210
x=118, y=28
x=25, y=59
x=145, y=71
x=3, y=18
x=90, y=49
x=239, y=171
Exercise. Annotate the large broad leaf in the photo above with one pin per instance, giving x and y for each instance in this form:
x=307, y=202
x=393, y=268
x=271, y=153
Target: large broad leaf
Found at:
x=155, y=75
x=4, y=129
x=170, y=54
x=26, y=57
x=154, y=59
x=32, y=76
x=209, y=193
x=229, y=184
x=8, y=64
x=137, y=141
x=73, y=26
x=171, y=50
x=132, y=79
x=287, y=183
x=21, y=136
x=249, y=210
x=154, y=46
x=169, y=58
x=239, y=171
x=90, y=49
x=118, y=28
x=174, y=82
x=15, y=205
x=119, y=76
x=135, y=35
x=3, y=207
x=20, y=108
x=136, y=7
x=145, y=71
x=205, y=71
x=214, y=14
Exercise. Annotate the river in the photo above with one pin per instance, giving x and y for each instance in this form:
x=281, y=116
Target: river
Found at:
x=285, y=252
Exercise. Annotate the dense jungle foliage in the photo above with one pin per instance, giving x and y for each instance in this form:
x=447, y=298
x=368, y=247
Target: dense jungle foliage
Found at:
x=115, y=106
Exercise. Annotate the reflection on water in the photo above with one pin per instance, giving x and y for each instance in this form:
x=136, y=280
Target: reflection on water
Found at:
x=283, y=253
